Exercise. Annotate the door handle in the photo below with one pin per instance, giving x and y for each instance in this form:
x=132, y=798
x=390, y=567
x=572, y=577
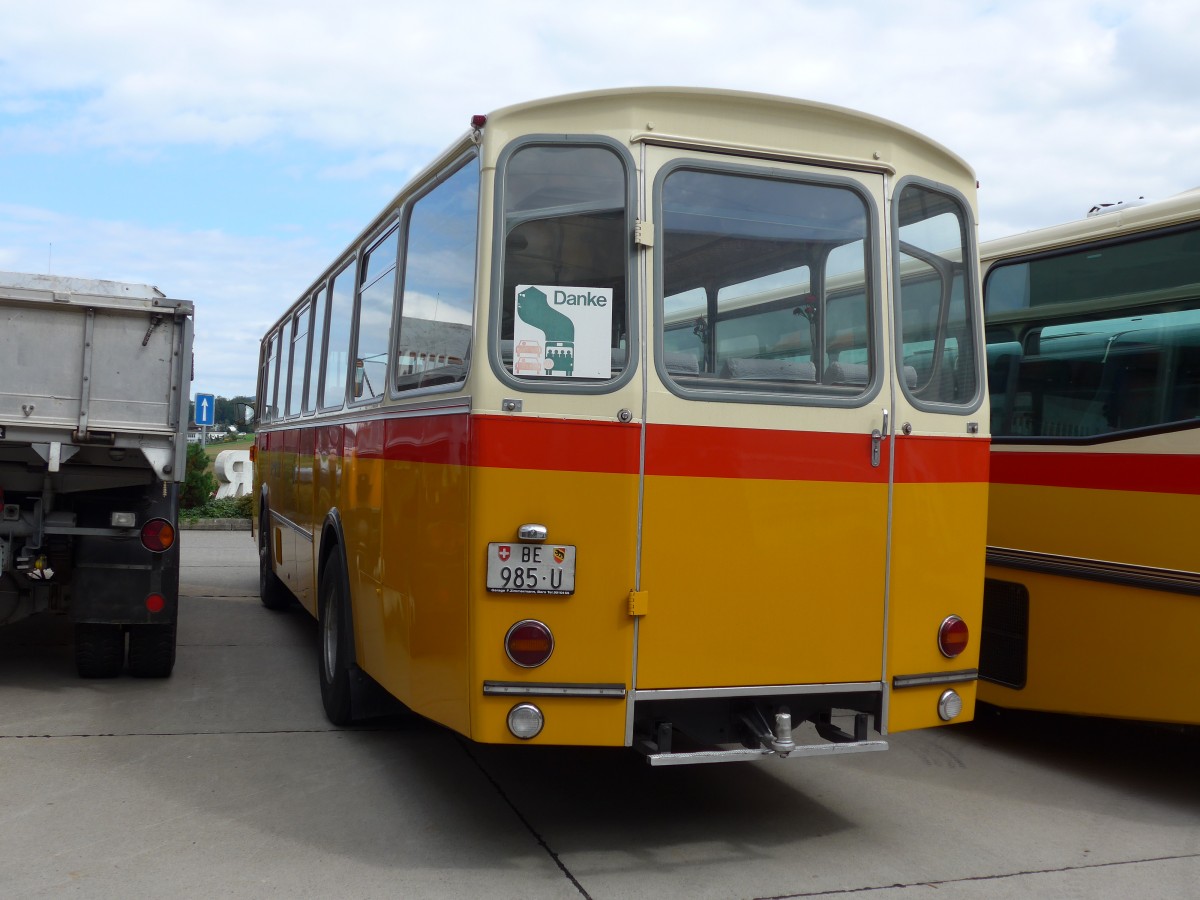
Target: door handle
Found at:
x=877, y=437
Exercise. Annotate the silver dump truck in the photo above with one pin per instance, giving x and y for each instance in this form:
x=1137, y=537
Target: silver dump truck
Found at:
x=94, y=386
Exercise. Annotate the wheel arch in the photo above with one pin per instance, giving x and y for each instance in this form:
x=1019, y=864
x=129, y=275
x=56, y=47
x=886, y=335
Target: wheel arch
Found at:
x=333, y=542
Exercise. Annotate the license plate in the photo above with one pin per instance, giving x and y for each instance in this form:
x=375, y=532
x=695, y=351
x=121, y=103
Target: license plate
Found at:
x=531, y=569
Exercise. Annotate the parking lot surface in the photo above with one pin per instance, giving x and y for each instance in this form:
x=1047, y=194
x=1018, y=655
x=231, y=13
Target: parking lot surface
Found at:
x=226, y=780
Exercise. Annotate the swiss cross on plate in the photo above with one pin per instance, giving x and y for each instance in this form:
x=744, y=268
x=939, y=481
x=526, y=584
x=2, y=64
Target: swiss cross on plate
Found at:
x=504, y=552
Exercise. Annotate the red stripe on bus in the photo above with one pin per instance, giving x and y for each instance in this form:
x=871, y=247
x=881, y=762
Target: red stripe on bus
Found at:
x=1146, y=472
x=569, y=445
x=710, y=452
x=942, y=460
x=566, y=445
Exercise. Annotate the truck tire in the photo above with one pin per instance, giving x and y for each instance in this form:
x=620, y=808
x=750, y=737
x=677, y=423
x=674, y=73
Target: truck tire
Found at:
x=333, y=657
x=99, y=650
x=151, y=650
x=271, y=591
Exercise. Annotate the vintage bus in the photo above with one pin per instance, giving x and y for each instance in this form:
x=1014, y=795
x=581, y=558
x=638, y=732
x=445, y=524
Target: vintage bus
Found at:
x=646, y=418
x=1092, y=601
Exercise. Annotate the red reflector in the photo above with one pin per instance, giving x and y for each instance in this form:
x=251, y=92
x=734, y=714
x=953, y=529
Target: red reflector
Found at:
x=478, y=121
x=155, y=603
x=953, y=636
x=529, y=643
x=158, y=535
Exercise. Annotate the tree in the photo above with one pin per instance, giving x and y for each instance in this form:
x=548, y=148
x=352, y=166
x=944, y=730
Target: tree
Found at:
x=199, y=483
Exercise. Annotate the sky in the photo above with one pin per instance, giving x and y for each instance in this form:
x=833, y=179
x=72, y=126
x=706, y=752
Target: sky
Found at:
x=227, y=150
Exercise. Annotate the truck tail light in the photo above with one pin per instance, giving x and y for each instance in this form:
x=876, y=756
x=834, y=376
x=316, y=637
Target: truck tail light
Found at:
x=953, y=636
x=158, y=535
x=155, y=603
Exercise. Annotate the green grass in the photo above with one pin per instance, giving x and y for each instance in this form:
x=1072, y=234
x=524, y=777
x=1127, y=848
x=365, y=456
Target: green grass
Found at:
x=242, y=443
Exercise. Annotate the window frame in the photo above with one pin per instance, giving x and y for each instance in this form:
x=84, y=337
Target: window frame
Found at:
x=345, y=264
x=365, y=248
x=1018, y=324
x=814, y=395
x=632, y=286
x=404, y=214
x=972, y=299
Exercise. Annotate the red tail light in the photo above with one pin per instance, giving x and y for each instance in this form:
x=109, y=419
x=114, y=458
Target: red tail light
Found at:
x=953, y=637
x=158, y=535
x=529, y=643
x=155, y=603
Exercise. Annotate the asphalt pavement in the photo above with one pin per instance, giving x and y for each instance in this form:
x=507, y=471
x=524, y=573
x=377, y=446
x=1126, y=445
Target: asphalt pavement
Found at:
x=226, y=780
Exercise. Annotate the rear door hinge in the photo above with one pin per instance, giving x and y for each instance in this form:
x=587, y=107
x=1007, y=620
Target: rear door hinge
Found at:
x=643, y=233
x=639, y=603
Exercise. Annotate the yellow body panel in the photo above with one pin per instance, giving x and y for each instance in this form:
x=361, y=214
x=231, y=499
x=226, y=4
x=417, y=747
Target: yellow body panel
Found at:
x=593, y=631
x=1106, y=650
x=1138, y=527
x=1095, y=648
x=937, y=571
x=757, y=582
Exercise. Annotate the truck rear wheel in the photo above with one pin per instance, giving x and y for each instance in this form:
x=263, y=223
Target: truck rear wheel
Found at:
x=151, y=650
x=99, y=650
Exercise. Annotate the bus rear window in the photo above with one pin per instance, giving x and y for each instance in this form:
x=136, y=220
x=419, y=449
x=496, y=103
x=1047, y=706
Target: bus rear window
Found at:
x=564, y=295
x=764, y=284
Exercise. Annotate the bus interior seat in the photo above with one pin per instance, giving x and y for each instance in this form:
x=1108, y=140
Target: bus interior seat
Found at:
x=749, y=369
x=847, y=373
x=678, y=362
x=859, y=374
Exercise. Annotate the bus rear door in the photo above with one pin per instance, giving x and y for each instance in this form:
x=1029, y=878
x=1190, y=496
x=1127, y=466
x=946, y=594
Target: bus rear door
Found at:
x=764, y=525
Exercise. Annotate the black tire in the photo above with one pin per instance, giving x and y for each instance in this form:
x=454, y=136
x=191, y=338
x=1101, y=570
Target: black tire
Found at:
x=151, y=650
x=271, y=591
x=99, y=650
x=334, y=641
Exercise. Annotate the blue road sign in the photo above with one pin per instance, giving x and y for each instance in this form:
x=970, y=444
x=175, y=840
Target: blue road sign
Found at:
x=206, y=408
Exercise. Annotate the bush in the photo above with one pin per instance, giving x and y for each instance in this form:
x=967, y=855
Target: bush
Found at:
x=199, y=484
x=225, y=508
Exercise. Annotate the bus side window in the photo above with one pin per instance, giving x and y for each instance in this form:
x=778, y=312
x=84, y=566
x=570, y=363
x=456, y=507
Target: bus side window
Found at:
x=337, y=346
x=437, y=305
x=375, y=301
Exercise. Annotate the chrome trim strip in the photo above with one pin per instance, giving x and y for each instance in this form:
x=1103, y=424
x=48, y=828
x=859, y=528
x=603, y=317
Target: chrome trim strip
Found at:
x=545, y=689
x=889, y=317
x=680, y=142
x=299, y=529
x=740, y=754
x=907, y=681
x=1175, y=580
x=388, y=410
x=766, y=690
x=642, y=187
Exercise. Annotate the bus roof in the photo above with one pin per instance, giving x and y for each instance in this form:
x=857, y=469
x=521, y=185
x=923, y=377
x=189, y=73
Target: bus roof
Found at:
x=1128, y=220
x=755, y=120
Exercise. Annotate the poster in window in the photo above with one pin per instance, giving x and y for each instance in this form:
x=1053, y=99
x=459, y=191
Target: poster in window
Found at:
x=561, y=331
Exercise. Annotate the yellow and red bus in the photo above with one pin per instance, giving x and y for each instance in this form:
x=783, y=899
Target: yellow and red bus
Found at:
x=1092, y=602
x=645, y=418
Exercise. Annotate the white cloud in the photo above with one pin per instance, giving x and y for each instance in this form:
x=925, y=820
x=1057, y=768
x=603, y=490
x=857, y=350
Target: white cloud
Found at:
x=1056, y=105
x=239, y=286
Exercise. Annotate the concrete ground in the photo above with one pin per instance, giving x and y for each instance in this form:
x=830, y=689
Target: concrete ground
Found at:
x=226, y=780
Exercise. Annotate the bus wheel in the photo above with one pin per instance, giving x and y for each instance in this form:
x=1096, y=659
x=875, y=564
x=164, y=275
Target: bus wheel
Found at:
x=99, y=650
x=151, y=650
x=271, y=591
x=333, y=660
